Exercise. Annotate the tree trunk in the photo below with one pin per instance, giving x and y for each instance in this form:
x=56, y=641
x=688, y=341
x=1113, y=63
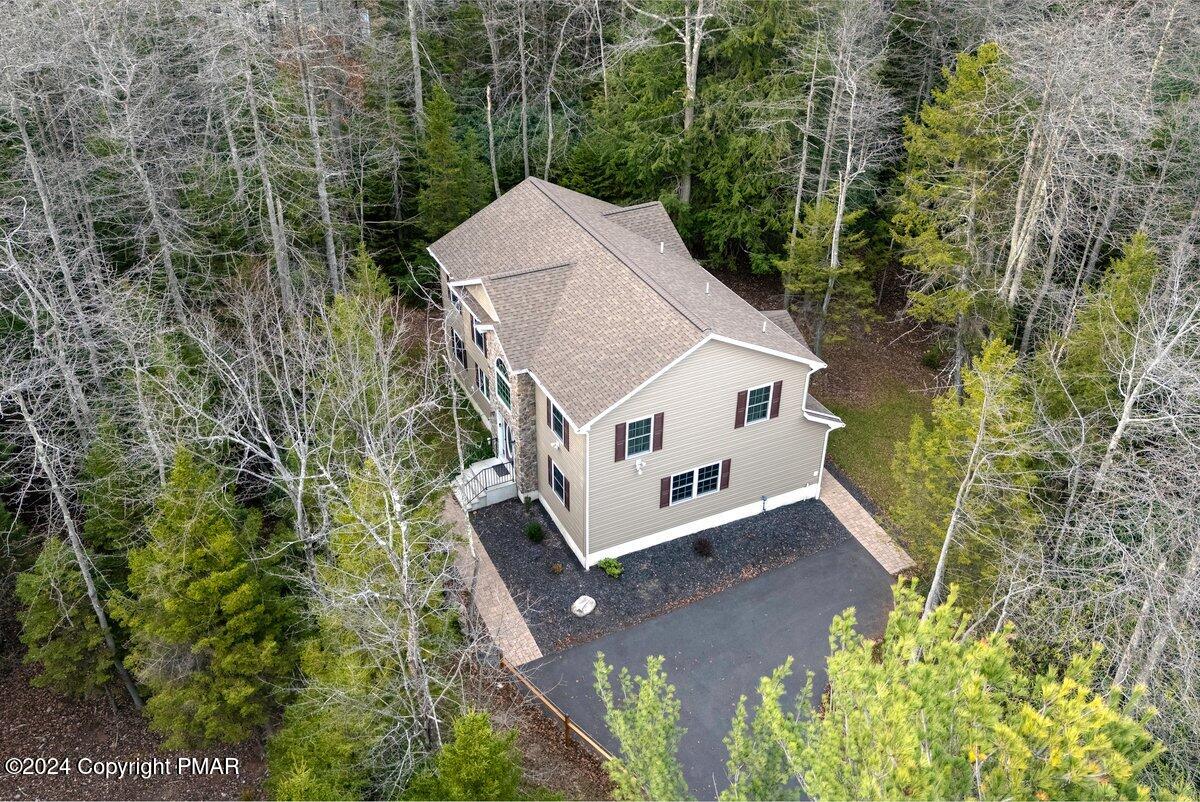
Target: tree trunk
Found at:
x=524, y=88
x=492, y=143
x=274, y=209
x=314, y=134
x=414, y=48
x=81, y=559
x=1044, y=289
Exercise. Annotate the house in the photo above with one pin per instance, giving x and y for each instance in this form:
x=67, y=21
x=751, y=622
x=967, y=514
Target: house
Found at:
x=628, y=390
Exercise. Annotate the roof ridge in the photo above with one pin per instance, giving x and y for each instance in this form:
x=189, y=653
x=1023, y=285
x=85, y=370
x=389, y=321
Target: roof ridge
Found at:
x=525, y=271
x=635, y=207
x=625, y=260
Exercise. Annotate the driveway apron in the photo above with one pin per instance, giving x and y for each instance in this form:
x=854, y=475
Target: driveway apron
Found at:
x=717, y=649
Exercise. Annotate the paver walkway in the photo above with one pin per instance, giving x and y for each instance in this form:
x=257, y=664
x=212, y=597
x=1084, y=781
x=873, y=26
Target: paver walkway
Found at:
x=866, y=531
x=492, y=599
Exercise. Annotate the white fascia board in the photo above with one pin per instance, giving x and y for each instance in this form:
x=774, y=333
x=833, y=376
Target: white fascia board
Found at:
x=815, y=364
x=467, y=282
x=588, y=426
x=549, y=395
x=817, y=417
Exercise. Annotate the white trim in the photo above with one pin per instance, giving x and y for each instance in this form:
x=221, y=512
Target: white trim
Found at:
x=650, y=447
x=588, y=426
x=562, y=497
x=562, y=531
x=496, y=365
x=562, y=439
x=482, y=377
x=548, y=395
x=821, y=465
x=691, y=527
x=587, y=490
x=695, y=472
x=455, y=340
x=456, y=284
x=770, y=398
x=815, y=365
x=832, y=421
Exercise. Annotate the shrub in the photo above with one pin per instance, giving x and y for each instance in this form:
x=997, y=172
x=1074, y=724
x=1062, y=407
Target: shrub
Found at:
x=703, y=547
x=535, y=532
x=611, y=567
x=556, y=568
x=480, y=763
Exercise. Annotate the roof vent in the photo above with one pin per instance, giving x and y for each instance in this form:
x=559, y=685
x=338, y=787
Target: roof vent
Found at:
x=661, y=246
x=764, y=325
x=706, y=288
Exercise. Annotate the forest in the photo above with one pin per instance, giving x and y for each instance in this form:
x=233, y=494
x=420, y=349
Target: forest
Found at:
x=227, y=427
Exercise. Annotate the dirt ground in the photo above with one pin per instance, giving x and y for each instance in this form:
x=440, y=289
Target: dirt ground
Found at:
x=36, y=723
x=892, y=347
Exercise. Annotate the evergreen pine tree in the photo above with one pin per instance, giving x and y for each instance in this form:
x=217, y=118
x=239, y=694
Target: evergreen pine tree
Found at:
x=455, y=181
x=982, y=443
x=645, y=721
x=479, y=763
x=206, y=618
x=59, y=626
x=950, y=189
x=1084, y=380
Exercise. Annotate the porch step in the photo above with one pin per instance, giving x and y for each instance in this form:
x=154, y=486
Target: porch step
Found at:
x=486, y=482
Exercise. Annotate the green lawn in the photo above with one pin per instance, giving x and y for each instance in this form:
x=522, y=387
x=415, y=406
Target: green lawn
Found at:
x=865, y=447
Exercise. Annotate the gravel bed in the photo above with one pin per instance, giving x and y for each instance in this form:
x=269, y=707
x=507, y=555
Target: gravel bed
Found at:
x=654, y=581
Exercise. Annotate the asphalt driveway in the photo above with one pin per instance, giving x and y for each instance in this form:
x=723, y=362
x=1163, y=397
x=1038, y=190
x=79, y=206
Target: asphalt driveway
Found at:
x=717, y=648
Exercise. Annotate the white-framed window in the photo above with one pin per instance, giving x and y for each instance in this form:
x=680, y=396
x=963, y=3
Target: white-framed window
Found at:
x=480, y=336
x=758, y=404
x=481, y=381
x=558, y=483
x=639, y=436
x=460, y=348
x=456, y=300
x=697, y=482
x=557, y=422
x=503, y=392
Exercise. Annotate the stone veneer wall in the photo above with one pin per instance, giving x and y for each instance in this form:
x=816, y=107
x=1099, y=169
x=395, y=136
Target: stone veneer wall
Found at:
x=525, y=457
x=522, y=418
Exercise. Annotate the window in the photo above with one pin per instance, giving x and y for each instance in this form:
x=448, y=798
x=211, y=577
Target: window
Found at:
x=502, y=390
x=460, y=348
x=557, y=421
x=558, y=483
x=695, y=483
x=455, y=301
x=682, y=486
x=480, y=336
x=638, y=437
x=708, y=479
x=758, y=404
x=481, y=381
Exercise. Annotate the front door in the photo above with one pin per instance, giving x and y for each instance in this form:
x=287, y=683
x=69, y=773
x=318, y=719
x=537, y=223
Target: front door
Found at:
x=504, y=442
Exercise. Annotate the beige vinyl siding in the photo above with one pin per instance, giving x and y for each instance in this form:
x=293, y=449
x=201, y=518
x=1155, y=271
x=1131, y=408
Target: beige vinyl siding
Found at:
x=698, y=397
x=461, y=323
x=571, y=463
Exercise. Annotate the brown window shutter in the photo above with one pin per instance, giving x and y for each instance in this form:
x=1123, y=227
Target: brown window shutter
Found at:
x=776, y=394
x=658, y=430
x=550, y=471
x=740, y=420
x=620, y=451
x=567, y=493
x=664, y=492
x=566, y=435
x=549, y=417
x=725, y=473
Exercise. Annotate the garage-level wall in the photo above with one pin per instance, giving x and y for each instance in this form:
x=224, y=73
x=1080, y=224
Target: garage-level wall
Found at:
x=698, y=398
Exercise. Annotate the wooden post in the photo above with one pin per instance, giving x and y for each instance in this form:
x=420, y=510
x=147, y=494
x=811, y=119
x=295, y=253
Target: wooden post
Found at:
x=566, y=729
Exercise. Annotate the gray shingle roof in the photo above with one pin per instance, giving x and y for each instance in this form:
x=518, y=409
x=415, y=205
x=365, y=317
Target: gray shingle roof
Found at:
x=584, y=298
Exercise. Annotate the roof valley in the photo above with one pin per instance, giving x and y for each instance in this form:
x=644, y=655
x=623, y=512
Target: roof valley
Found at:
x=629, y=263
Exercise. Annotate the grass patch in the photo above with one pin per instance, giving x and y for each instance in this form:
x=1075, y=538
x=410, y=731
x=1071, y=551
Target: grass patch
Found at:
x=865, y=447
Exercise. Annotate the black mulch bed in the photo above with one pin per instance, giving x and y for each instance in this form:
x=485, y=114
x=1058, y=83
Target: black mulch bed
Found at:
x=655, y=580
